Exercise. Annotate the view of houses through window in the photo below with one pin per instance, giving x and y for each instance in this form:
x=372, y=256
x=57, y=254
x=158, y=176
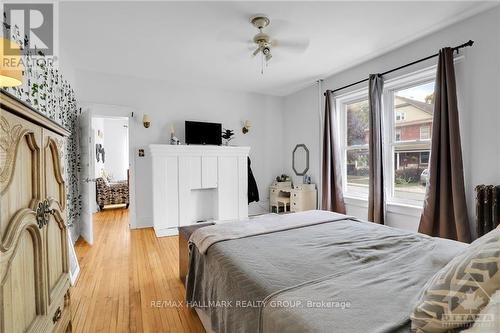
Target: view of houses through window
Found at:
x=411, y=147
x=410, y=131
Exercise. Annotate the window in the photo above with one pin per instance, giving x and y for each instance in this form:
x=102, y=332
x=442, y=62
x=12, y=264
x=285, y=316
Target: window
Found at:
x=408, y=113
x=425, y=132
x=400, y=116
x=424, y=157
x=410, y=151
x=356, y=151
x=398, y=134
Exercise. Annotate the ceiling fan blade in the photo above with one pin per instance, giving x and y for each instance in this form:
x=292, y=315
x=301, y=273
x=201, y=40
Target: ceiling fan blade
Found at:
x=228, y=36
x=280, y=27
x=296, y=46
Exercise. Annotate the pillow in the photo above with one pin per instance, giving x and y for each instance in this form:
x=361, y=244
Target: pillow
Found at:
x=489, y=318
x=454, y=296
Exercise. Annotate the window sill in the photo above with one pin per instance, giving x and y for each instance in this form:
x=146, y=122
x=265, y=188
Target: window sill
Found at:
x=392, y=207
x=404, y=209
x=356, y=201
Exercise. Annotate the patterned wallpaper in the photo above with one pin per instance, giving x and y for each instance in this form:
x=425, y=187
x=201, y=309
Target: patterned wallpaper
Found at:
x=45, y=89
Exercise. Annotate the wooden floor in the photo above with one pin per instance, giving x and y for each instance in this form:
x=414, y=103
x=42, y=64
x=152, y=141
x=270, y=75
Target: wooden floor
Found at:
x=122, y=274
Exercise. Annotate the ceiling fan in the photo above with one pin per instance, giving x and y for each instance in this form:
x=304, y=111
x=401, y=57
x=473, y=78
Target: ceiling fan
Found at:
x=265, y=45
x=262, y=40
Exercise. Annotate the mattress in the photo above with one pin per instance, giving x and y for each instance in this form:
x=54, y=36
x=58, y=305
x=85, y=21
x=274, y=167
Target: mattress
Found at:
x=341, y=275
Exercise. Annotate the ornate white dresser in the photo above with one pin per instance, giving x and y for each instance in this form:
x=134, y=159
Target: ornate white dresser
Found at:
x=34, y=280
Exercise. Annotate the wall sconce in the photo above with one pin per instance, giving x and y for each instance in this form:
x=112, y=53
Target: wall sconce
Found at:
x=146, y=121
x=246, y=126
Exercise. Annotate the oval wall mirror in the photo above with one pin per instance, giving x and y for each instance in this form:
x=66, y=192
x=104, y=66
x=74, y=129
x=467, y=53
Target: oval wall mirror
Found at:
x=300, y=159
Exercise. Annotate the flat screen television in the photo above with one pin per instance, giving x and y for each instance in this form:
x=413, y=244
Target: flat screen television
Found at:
x=201, y=133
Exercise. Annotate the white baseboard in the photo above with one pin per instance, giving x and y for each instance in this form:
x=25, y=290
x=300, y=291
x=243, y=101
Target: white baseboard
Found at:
x=166, y=232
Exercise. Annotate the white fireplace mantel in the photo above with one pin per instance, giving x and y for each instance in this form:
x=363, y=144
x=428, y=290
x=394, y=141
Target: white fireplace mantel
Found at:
x=196, y=183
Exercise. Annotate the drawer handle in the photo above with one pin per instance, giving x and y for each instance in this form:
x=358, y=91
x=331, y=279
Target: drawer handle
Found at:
x=57, y=315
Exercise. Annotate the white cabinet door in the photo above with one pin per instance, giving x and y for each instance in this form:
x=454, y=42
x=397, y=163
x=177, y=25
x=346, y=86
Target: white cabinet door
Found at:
x=242, y=187
x=233, y=187
x=192, y=164
x=228, y=188
x=209, y=172
x=189, y=179
x=165, y=193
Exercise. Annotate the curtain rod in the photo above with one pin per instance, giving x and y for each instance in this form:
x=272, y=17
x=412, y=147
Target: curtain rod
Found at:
x=456, y=48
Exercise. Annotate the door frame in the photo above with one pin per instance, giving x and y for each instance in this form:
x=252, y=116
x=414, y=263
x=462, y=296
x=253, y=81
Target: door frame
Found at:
x=117, y=111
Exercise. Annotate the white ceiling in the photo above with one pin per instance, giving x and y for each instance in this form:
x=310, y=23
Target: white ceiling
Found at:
x=197, y=42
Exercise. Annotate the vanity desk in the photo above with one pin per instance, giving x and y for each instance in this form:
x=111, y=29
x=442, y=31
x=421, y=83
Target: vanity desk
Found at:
x=290, y=198
x=294, y=198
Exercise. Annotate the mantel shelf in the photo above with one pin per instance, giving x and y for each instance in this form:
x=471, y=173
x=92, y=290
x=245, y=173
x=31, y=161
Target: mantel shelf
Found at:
x=178, y=150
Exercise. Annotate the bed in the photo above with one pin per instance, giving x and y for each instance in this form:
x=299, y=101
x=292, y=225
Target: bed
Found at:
x=312, y=271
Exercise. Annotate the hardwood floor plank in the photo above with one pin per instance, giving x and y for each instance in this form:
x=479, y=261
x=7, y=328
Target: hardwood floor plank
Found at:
x=121, y=274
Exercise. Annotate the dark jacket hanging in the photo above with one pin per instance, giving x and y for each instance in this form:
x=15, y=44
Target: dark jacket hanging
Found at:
x=253, y=191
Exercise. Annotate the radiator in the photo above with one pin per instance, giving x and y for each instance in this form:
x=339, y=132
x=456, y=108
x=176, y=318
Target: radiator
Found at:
x=487, y=208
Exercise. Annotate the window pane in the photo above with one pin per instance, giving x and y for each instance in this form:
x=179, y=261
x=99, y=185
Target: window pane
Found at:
x=413, y=112
x=411, y=174
x=357, y=123
x=425, y=133
x=357, y=172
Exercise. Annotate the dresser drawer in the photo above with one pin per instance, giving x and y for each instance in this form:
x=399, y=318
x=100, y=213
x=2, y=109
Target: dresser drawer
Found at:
x=59, y=314
x=296, y=206
x=63, y=324
x=301, y=200
x=305, y=187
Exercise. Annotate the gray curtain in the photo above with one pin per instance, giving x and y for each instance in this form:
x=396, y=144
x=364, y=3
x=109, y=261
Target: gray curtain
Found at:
x=332, y=198
x=445, y=210
x=376, y=198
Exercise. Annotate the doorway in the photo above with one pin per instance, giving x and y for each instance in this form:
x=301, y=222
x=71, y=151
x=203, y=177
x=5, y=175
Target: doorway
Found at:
x=106, y=165
x=111, y=162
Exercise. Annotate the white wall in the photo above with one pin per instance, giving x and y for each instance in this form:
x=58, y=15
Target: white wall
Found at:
x=97, y=127
x=302, y=123
x=116, y=147
x=478, y=78
x=169, y=104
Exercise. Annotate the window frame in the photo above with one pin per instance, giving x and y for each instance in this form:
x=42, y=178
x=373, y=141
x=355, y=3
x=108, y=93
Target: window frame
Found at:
x=428, y=132
x=409, y=80
x=428, y=158
x=341, y=101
